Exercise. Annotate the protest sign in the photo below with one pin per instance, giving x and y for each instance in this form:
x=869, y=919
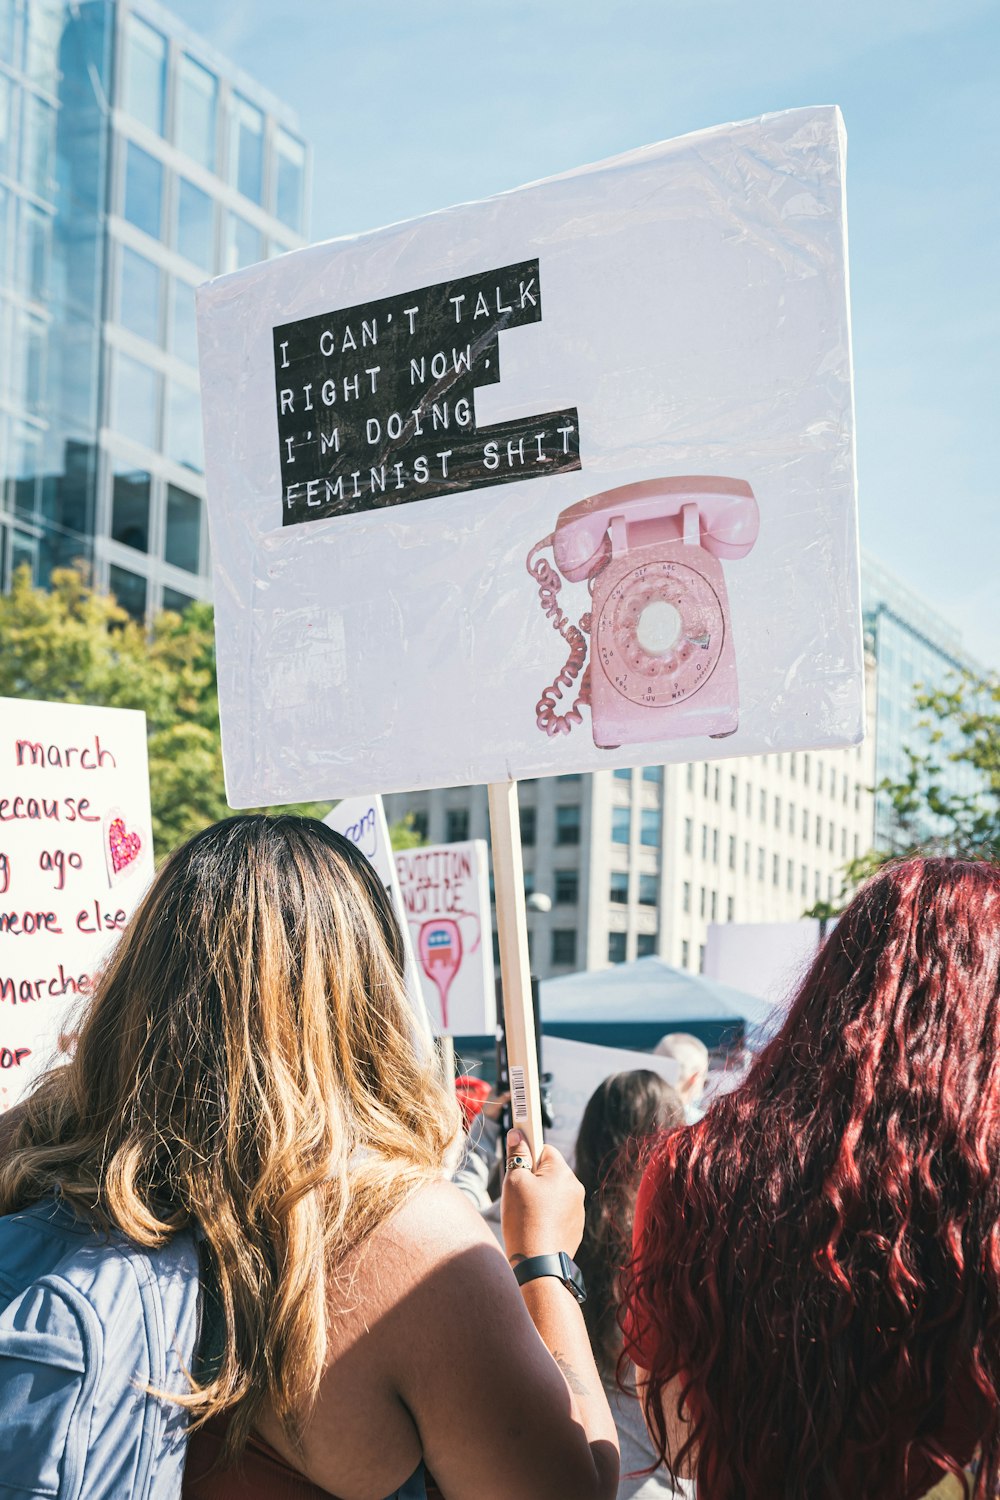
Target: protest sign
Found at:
x=446, y=898
x=362, y=820
x=577, y=1069
x=76, y=854
x=553, y=482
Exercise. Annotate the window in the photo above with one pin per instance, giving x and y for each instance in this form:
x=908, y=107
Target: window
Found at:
x=649, y=827
x=763, y=805
x=143, y=190
x=760, y=864
x=714, y=905
x=289, y=172
x=690, y=776
x=567, y=887
x=195, y=236
x=819, y=831
x=701, y=958
x=528, y=819
x=496, y=950
x=135, y=408
x=145, y=89
x=732, y=852
x=805, y=882
x=183, y=327
x=729, y=908
x=706, y=772
x=732, y=792
x=702, y=901
x=618, y=888
x=819, y=775
x=176, y=601
x=686, y=897
x=688, y=835
x=564, y=945
x=715, y=846
x=38, y=145
x=790, y=875
x=456, y=825
x=831, y=837
x=817, y=885
x=775, y=870
x=704, y=840
x=568, y=824
x=30, y=379
x=623, y=773
x=805, y=824
x=621, y=823
x=857, y=846
x=649, y=889
x=791, y=765
x=33, y=252
x=244, y=244
x=130, y=591
x=652, y=773
x=805, y=770
x=183, y=539
x=791, y=817
x=777, y=812
x=749, y=799
x=857, y=796
x=616, y=947
x=246, y=149
x=645, y=944
x=844, y=797
x=685, y=953
x=139, y=296
x=715, y=784
x=746, y=859
x=130, y=509
x=528, y=883
x=183, y=441
x=197, y=92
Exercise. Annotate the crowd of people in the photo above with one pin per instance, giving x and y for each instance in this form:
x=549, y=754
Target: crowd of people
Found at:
x=251, y=1185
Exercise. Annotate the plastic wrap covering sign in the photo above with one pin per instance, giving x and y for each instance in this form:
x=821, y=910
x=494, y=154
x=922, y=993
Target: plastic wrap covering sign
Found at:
x=76, y=854
x=559, y=480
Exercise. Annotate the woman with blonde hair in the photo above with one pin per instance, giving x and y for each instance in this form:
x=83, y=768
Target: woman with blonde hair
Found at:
x=247, y=1072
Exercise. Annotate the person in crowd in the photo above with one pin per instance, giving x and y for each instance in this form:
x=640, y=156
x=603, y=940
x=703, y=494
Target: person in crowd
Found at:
x=691, y=1056
x=814, y=1299
x=622, y=1116
x=247, y=1070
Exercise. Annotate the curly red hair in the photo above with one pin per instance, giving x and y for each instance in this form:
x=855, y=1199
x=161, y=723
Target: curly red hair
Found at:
x=815, y=1290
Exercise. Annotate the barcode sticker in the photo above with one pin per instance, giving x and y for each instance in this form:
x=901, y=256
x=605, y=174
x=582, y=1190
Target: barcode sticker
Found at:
x=518, y=1095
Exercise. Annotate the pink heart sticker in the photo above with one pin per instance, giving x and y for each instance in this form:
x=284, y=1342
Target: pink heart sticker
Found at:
x=123, y=847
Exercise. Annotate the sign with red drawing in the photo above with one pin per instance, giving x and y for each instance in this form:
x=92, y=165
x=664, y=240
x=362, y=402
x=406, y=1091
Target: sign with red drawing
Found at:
x=445, y=893
x=76, y=854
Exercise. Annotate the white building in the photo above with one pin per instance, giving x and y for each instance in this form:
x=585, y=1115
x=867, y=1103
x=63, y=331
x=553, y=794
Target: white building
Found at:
x=639, y=862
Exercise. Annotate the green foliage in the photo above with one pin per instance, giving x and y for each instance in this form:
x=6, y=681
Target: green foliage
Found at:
x=70, y=644
x=405, y=835
x=962, y=723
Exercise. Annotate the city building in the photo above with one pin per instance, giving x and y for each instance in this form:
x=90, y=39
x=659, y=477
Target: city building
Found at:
x=134, y=163
x=914, y=649
x=640, y=861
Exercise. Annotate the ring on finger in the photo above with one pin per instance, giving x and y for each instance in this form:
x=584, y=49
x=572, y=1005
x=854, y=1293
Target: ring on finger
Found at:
x=517, y=1161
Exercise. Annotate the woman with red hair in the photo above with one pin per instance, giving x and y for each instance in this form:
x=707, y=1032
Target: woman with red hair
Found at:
x=814, y=1297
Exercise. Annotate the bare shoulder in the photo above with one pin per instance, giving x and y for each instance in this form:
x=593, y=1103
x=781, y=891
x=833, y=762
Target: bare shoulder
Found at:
x=435, y=1226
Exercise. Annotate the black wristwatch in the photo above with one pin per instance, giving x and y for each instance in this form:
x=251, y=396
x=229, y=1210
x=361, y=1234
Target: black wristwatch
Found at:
x=561, y=1265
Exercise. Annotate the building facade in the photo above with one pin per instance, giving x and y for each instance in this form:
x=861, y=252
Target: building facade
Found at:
x=134, y=163
x=639, y=862
x=914, y=649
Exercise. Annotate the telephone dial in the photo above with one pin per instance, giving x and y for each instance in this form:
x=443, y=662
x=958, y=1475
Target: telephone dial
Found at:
x=662, y=659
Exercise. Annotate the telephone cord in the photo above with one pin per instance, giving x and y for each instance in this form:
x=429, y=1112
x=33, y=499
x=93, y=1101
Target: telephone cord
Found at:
x=549, y=583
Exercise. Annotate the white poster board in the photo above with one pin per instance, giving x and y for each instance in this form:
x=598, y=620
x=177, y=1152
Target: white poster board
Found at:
x=577, y=1069
x=556, y=481
x=363, y=821
x=76, y=854
x=446, y=897
x=768, y=959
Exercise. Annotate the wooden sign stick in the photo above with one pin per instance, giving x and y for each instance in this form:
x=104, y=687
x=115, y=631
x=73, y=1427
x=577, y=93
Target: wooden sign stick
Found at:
x=515, y=974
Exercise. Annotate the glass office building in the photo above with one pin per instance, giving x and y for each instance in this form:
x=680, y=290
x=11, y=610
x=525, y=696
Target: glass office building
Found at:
x=134, y=163
x=915, y=650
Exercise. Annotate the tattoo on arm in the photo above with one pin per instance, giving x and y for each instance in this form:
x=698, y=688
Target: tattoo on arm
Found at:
x=576, y=1384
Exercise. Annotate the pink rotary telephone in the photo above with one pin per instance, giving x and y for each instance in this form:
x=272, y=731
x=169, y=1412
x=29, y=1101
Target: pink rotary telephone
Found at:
x=663, y=662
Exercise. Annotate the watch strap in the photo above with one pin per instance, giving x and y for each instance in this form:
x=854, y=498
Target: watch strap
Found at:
x=560, y=1265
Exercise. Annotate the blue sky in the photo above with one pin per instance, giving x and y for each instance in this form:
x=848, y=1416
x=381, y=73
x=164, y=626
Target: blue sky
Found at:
x=414, y=104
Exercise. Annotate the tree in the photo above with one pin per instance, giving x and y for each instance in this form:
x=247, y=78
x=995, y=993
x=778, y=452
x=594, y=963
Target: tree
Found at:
x=70, y=644
x=961, y=724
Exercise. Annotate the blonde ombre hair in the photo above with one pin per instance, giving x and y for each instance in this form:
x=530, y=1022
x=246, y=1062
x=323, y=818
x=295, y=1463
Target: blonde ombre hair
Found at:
x=248, y=1065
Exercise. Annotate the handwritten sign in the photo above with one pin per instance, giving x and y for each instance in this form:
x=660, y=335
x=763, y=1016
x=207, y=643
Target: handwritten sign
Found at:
x=555, y=482
x=363, y=821
x=445, y=893
x=76, y=853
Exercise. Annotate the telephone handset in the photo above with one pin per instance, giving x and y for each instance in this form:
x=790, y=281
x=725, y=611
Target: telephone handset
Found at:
x=662, y=657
